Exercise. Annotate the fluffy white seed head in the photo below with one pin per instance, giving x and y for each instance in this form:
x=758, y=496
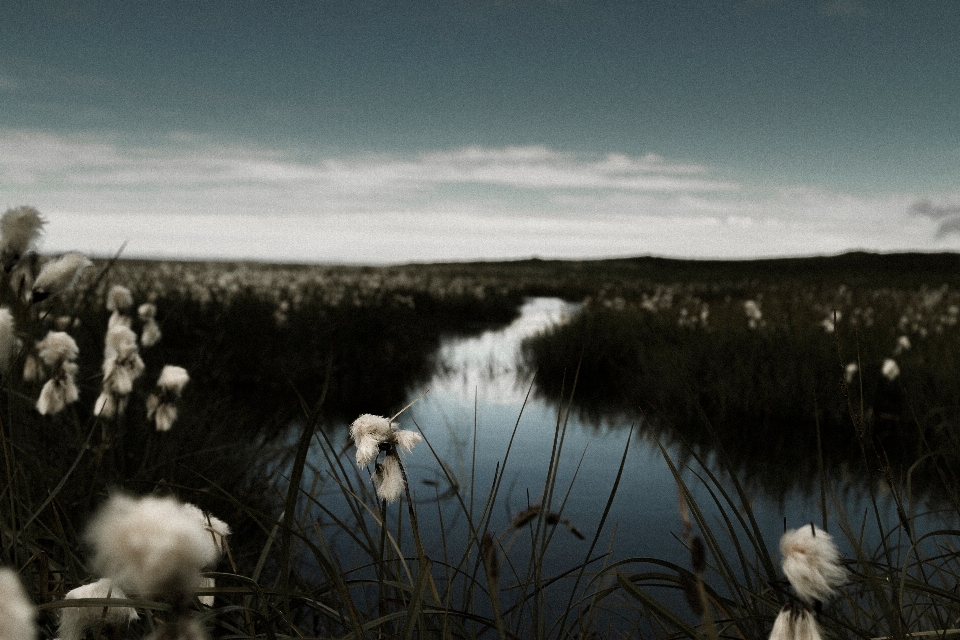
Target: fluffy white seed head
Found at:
x=783, y=626
x=161, y=404
x=147, y=311
x=151, y=330
x=389, y=479
x=121, y=341
x=811, y=563
x=59, y=275
x=116, y=318
x=367, y=432
x=122, y=365
x=150, y=546
x=406, y=439
x=795, y=624
x=59, y=391
x=56, y=348
x=32, y=368
x=125, y=374
x=890, y=369
x=109, y=405
x=164, y=415
x=119, y=299
x=76, y=621
x=17, y=612
x=806, y=626
x=850, y=372
x=173, y=379
x=20, y=228
x=217, y=528
x=903, y=344
x=151, y=334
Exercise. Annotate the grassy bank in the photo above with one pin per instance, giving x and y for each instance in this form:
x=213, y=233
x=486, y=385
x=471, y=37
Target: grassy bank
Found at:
x=766, y=369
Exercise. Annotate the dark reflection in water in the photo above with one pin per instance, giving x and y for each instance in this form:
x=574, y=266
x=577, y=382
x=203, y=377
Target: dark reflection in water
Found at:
x=773, y=407
x=477, y=405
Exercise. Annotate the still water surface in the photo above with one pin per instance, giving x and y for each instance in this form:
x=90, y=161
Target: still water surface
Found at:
x=480, y=398
x=480, y=387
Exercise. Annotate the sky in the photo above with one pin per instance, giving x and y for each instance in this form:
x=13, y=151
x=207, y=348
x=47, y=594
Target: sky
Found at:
x=369, y=131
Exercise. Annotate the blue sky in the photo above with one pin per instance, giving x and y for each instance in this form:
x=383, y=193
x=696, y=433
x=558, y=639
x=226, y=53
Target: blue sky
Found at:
x=370, y=131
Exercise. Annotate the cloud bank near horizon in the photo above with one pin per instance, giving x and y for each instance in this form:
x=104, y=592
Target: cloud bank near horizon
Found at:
x=187, y=196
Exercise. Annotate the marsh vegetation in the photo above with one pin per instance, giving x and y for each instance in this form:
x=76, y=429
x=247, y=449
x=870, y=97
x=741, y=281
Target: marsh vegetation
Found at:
x=738, y=374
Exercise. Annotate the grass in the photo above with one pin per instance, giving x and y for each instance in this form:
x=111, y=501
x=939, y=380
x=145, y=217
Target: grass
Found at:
x=315, y=553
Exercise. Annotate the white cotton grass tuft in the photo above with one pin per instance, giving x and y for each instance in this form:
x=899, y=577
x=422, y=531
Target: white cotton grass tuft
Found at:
x=76, y=621
x=811, y=563
x=161, y=404
x=9, y=342
x=829, y=323
x=57, y=352
x=850, y=372
x=783, y=626
x=214, y=526
x=163, y=414
x=372, y=434
x=218, y=530
x=57, y=347
x=751, y=308
x=150, y=335
x=795, y=623
x=890, y=369
x=59, y=391
x=406, y=440
x=173, y=379
x=150, y=546
x=59, y=275
x=369, y=432
x=120, y=303
x=122, y=365
x=108, y=405
x=903, y=344
x=20, y=228
x=17, y=611
x=388, y=478
x=32, y=368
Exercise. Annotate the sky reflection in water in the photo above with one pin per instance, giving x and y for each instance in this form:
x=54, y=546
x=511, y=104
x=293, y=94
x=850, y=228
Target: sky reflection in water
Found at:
x=480, y=384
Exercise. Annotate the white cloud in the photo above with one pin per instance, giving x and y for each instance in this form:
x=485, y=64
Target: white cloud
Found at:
x=189, y=197
x=30, y=158
x=410, y=237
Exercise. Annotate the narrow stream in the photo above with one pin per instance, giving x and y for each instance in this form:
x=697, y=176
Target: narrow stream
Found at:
x=480, y=390
x=481, y=416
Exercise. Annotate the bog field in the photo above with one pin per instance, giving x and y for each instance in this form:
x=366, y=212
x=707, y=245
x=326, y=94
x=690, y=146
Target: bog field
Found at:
x=262, y=395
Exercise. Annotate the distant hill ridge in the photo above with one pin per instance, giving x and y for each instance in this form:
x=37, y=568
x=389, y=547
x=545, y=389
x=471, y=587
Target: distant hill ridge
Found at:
x=855, y=267
x=852, y=268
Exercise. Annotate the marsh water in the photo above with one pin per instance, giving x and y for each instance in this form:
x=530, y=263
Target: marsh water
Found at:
x=481, y=398
x=482, y=414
